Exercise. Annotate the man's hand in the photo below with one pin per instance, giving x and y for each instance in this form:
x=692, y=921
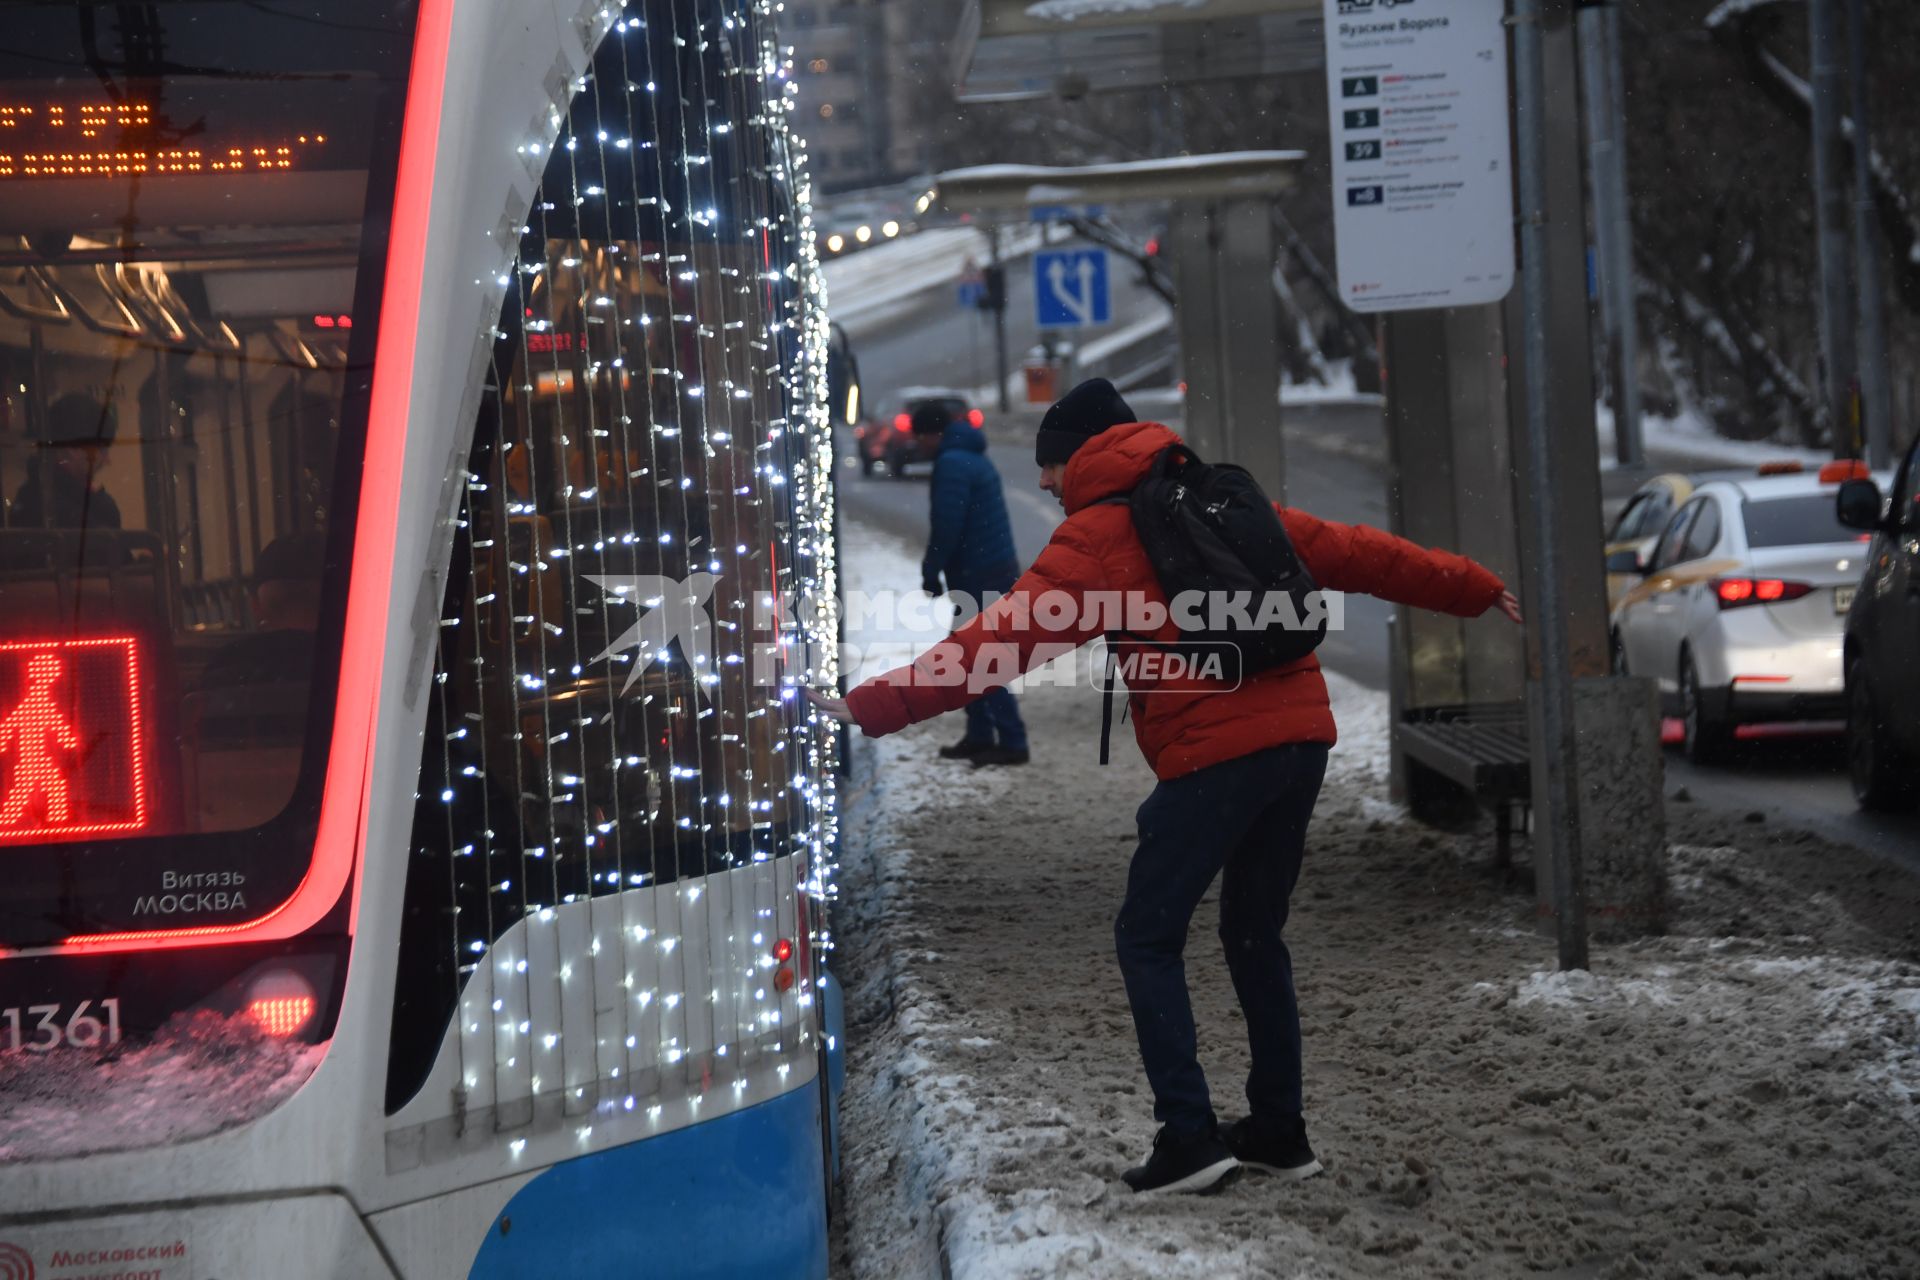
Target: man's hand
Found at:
x=831, y=708
x=1510, y=606
x=930, y=583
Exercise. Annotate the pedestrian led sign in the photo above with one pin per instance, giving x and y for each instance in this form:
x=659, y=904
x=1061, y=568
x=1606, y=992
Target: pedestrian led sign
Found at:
x=1070, y=288
x=1422, y=185
x=73, y=742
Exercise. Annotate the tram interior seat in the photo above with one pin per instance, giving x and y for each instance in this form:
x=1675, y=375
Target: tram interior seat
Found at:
x=241, y=749
x=71, y=582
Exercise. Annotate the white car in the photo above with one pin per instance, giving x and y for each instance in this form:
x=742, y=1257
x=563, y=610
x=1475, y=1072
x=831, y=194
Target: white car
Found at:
x=1740, y=613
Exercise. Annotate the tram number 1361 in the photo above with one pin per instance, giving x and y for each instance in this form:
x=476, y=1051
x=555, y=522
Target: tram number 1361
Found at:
x=41, y=1028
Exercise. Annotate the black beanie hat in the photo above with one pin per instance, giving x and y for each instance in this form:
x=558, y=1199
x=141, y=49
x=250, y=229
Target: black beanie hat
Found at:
x=1078, y=417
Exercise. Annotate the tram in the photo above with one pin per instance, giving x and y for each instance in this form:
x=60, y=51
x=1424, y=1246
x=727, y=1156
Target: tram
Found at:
x=415, y=524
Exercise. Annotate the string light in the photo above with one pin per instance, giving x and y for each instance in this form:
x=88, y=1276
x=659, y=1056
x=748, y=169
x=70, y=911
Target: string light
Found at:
x=656, y=411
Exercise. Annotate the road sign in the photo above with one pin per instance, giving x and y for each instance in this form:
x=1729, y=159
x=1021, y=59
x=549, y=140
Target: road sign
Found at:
x=1423, y=197
x=1070, y=288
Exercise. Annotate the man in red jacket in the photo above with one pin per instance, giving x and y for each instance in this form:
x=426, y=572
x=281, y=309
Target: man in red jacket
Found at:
x=1239, y=771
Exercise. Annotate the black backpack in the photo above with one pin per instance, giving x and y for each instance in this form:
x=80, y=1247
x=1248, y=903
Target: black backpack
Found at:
x=1208, y=528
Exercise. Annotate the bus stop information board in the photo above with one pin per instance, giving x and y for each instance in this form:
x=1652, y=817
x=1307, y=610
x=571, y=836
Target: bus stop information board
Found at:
x=1422, y=179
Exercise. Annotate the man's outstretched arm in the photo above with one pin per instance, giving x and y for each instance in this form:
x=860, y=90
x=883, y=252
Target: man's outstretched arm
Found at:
x=1359, y=558
x=1018, y=632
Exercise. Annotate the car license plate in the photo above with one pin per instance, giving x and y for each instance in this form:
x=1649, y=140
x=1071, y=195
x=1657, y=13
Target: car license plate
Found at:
x=1842, y=599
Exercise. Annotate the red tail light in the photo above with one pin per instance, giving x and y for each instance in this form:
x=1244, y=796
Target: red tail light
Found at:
x=281, y=1003
x=281, y=1016
x=902, y=422
x=1844, y=469
x=1734, y=592
x=976, y=417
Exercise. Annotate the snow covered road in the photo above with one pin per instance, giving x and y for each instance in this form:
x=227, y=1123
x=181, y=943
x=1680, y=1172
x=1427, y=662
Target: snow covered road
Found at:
x=1741, y=1097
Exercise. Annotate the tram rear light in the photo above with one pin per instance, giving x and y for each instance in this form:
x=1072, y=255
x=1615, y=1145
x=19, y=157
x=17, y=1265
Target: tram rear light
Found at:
x=783, y=951
x=902, y=422
x=976, y=417
x=783, y=980
x=281, y=1003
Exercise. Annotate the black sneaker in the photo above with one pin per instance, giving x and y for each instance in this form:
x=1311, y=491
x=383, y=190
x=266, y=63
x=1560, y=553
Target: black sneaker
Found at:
x=1183, y=1164
x=998, y=755
x=1280, y=1150
x=965, y=749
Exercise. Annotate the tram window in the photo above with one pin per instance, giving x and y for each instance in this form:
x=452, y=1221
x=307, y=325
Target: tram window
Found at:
x=192, y=227
x=630, y=457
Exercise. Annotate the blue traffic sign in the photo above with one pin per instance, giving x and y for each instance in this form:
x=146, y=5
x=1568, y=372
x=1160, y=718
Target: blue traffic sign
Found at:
x=1070, y=288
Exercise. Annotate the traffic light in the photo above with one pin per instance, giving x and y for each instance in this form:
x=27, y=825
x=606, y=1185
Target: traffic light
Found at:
x=993, y=295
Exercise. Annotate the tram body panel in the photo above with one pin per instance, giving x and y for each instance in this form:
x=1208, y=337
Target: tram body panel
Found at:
x=300, y=1236
x=495, y=76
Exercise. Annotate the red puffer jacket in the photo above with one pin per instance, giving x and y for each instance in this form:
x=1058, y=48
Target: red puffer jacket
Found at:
x=1096, y=549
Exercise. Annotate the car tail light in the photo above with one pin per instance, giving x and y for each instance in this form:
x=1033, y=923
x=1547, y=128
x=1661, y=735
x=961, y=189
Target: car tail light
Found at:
x=1786, y=468
x=1734, y=592
x=1844, y=469
x=902, y=422
x=976, y=417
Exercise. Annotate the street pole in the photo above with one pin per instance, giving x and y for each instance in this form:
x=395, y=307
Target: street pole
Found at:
x=1602, y=82
x=1876, y=390
x=1556, y=713
x=999, y=322
x=1830, y=210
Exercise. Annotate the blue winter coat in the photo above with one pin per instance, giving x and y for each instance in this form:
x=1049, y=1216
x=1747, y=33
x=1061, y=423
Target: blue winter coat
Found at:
x=970, y=540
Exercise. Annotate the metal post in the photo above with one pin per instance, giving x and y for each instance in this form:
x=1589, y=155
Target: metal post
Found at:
x=1876, y=390
x=1561, y=822
x=1602, y=83
x=1830, y=208
x=999, y=322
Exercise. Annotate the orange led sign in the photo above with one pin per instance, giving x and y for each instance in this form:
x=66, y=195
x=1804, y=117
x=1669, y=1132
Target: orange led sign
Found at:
x=71, y=140
x=72, y=740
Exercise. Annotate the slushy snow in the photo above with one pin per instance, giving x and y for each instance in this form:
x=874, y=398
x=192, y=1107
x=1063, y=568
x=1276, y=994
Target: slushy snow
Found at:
x=1738, y=1097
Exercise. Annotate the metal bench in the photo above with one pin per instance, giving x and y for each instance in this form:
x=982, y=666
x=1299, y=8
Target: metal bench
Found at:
x=1481, y=749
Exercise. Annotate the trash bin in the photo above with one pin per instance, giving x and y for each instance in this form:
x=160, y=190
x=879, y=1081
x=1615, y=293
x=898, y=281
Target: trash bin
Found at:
x=1043, y=378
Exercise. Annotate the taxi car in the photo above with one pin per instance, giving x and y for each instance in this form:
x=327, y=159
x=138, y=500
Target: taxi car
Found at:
x=1638, y=526
x=1738, y=615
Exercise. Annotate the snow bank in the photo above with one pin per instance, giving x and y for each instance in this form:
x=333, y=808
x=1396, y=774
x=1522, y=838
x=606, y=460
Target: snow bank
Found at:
x=201, y=1073
x=869, y=288
x=1690, y=441
x=1074, y=10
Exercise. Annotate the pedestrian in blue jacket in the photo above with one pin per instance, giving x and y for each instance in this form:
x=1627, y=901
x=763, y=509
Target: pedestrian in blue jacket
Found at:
x=970, y=543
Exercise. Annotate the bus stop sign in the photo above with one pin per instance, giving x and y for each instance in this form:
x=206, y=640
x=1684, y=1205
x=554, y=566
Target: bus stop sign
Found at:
x=1422, y=190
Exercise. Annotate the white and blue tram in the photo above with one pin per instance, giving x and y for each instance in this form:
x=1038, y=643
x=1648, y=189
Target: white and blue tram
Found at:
x=412, y=442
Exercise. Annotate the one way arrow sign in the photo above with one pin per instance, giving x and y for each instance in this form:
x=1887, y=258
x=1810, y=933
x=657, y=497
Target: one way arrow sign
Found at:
x=1070, y=288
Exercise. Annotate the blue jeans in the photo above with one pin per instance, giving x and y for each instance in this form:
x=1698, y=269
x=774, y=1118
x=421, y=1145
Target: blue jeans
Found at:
x=993, y=717
x=1247, y=818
